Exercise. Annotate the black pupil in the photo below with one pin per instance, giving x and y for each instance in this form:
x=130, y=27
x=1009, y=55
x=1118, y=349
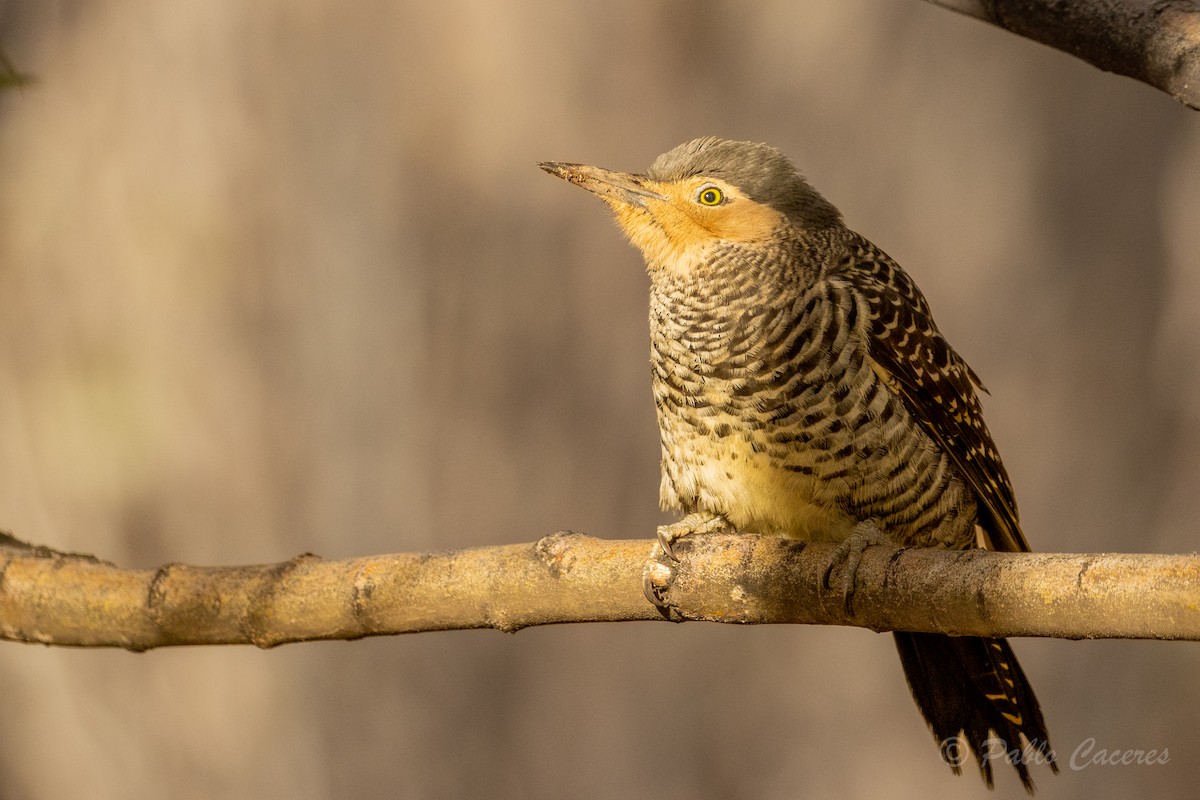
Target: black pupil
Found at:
x=709, y=196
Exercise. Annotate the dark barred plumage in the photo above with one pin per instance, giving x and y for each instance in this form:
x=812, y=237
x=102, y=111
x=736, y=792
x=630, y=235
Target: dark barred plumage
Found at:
x=936, y=384
x=791, y=378
x=803, y=389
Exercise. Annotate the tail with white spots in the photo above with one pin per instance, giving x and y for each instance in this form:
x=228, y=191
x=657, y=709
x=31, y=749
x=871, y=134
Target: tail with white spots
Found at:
x=974, y=688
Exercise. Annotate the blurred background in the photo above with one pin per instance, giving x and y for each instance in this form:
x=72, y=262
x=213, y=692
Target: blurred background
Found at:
x=284, y=276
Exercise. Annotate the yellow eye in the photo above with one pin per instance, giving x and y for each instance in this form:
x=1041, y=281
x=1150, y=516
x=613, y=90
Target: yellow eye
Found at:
x=710, y=196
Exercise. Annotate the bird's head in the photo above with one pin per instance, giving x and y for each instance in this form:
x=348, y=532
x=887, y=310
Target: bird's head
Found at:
x=702, y=194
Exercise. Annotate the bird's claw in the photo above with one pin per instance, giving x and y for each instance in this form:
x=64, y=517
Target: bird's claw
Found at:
x=656, y=580
x=850, y=552
x=659, y=571
x=699, y=522
x=666, y=541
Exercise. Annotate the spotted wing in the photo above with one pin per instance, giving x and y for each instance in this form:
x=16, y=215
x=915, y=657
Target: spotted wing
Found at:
x=936, y=385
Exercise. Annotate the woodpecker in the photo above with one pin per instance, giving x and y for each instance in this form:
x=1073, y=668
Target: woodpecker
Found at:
x=803, y=390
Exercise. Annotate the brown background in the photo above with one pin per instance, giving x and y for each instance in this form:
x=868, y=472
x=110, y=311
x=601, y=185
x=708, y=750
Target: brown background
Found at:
x=283, y=276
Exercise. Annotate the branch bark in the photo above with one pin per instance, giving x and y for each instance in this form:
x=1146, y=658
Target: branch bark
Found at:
x=1153, y=41
x=59, y=598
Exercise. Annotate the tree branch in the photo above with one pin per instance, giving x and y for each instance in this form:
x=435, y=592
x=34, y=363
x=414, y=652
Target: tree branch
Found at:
x=60, y=598
x=1154, y=41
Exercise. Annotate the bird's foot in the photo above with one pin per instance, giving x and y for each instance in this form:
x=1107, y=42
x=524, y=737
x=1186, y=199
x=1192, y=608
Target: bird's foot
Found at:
x=659, y=572
x=700, y=522
x=849, y=553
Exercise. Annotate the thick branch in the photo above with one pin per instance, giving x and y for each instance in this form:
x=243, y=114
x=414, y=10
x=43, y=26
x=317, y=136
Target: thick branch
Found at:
x=69, y=599
x=1154, y=41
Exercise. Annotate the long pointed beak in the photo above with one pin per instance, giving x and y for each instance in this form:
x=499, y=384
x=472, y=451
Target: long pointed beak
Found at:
x=623, y=187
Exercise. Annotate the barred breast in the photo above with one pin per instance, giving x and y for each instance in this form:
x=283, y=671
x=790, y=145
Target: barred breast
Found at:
x=772, y=413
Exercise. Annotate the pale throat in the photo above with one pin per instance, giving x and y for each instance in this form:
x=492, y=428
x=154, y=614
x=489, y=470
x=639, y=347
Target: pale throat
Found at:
x=676, y=236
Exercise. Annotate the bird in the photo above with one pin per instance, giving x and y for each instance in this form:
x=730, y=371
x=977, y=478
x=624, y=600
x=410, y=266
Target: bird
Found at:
x=803, y=390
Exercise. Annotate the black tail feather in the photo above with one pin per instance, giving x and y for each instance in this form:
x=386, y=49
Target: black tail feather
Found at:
x=975, y=687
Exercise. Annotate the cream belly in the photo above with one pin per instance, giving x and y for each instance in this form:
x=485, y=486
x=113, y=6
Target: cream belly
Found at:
x=752, y=491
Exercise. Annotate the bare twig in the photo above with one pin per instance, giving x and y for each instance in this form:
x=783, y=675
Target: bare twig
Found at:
x=70, y=599
x=1154, y=41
